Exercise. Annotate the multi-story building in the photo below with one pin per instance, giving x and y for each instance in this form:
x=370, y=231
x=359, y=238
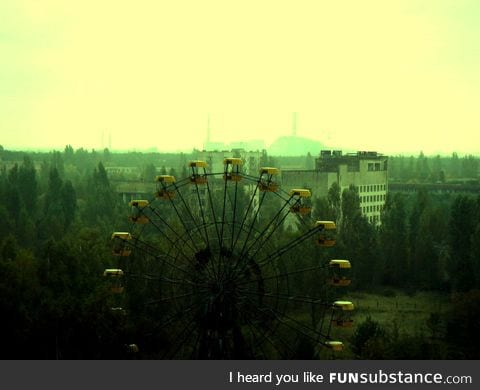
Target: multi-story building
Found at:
x=367, y=171
x=251, y=159
x=251, y=163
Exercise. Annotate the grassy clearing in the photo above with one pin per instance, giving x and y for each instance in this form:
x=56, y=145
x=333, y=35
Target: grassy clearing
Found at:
x=407, y=314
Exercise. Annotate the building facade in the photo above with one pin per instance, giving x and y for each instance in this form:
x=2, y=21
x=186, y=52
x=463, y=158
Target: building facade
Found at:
x=367, y=171
x=251, y=159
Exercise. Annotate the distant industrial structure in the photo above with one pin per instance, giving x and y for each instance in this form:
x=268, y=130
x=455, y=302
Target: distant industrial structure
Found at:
x=252, y=160
x=367, y=171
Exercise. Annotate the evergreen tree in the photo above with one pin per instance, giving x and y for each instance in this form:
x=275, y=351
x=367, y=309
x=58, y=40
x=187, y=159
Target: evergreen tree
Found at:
x=27, y=185
x=69, y=202
x=394, y=244
x=462, y=225
x=334, y=201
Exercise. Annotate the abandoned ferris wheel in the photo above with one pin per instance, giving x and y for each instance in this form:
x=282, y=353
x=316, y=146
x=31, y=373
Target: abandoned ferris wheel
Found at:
x=225, y=265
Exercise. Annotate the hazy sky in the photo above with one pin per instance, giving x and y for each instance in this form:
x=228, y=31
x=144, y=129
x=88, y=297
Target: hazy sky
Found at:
x=380, y=75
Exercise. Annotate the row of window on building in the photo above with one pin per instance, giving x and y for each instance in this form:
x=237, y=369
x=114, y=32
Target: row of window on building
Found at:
x=372, y=188
x=373, y=198
x=374, y=166
x=372, y=209
x=374, y=218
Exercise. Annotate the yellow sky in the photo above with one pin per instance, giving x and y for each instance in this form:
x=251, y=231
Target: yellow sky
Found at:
x=393, y=76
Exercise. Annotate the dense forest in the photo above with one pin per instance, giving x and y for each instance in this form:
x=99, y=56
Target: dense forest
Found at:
x=59, y=209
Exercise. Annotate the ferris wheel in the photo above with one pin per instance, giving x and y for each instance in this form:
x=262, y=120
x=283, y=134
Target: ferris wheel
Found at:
x=225, y=265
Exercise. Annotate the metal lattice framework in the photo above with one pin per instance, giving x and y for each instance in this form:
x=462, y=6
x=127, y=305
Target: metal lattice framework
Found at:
x=225, y=265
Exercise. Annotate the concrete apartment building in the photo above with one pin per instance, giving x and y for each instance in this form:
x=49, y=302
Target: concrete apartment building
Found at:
x=368, y=171
x=214, y=158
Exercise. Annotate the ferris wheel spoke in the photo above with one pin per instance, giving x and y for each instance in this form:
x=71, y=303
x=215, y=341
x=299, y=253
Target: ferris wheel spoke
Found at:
x=207, y=238
x=163, y=279
x=181, y=219
x=212, y=209
x=152, y=250
x=298, y=327
x=175, y=245
x=282, y=275
x=249, y=232
x=185, y=333
x=198, y=227
x=171, y=229
x=177, y=315
x=224, y=253
x=245, y=216
x=287, y=247
x=267, y=238
x=172, y=298
x=163, y=257
x=272, y=221
x=222, y=221
x=252, y=223
x=266, y=337
x=280, y=193
x=264, y=241
x=195, y=347
x=286, y=344
x=259, y=343
x=284, y=318
x=234, y=215
x=289, y=298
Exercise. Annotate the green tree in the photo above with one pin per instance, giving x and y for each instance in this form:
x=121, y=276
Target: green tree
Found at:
x=423, y=168
x=334, y=201
x=27, y=185
x=53, y=222
x=149, y=173
x=475, y=254
x=462, y=325
x=357, y=240
x=102, y=201
x=394, y=241
x=455, y=166
x=462, y=225
x=69, y=202
x=369, y=339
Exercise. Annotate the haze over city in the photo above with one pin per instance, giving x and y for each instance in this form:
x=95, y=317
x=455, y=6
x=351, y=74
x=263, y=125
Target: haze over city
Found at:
x=394, y=76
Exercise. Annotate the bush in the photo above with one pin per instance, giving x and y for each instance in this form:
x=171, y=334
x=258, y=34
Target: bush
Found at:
x=368, y=341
